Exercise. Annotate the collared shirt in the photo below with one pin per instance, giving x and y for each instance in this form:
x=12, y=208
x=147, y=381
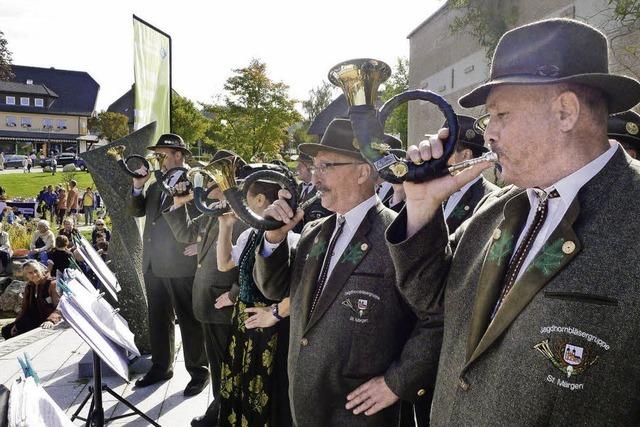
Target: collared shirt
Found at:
x=568, y=188
x=353, y=220
x=455, y=198
x=307, y=187
x=382, y=190
x=243, y=238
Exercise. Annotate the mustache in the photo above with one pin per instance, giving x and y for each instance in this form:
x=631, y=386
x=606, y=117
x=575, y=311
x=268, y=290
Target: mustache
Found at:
x=322, y=188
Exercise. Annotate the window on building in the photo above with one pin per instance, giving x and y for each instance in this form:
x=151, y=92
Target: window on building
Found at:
x=38, y=102
x=47, y=124
x=11, y=121
x=10, y=100
x=61, y=124
x=25, y=122
x=24, y=101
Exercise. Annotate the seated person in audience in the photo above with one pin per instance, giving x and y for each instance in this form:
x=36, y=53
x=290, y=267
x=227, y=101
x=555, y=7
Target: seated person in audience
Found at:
x=7, y=215
x=69, y=231
x=42, y=241
x=39, y=304
x=100, y=228
x=60, y=257
x=103, y=248
x=5, y=251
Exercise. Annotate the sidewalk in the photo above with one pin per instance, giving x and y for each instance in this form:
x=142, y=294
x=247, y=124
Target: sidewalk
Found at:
x=55, y=355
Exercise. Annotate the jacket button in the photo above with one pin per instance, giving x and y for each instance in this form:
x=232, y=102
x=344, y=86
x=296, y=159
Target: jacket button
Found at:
x=199, y=265
x=466, y=208
x=304, y=342
x=497, y=233
x=422, y=392
x=199, y=239
x=568, y=247
x=153, y=223
x=464, y=386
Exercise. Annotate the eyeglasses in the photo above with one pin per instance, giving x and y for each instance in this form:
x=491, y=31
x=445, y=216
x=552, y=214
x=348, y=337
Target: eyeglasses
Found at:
x=322, y=168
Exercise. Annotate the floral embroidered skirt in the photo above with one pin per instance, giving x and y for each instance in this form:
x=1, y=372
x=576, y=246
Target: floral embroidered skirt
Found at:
x=249, y=383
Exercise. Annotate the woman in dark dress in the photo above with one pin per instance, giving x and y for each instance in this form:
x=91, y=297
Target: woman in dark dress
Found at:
x=253, y=378
x=39, y=304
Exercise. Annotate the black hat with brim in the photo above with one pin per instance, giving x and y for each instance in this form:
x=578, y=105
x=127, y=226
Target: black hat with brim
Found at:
x=171, y=140
x=556, y=51
x=468, y=136
x=625, y=128
x=338, y=138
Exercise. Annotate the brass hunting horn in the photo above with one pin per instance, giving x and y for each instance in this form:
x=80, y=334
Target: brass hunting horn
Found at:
x=152, y=162
x=359, y=79
x=224, y=172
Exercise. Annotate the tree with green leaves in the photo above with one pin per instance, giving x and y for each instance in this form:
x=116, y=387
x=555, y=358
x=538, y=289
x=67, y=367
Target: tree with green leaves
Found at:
x=109, y=125
x=319, y=98
x=397, y=122
x=187, y=120
x=255, y=114
x=485, y=20
x=5, y=59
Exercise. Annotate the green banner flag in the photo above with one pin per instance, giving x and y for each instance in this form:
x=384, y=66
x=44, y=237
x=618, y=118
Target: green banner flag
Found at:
x=152, y=70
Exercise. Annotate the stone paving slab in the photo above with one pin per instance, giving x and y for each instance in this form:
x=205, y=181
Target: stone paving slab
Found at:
x=55, y=355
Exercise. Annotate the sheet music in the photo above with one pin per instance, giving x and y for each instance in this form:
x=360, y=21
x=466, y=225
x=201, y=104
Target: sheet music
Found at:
x=100, y=313
x=30, y=405
x=99, y=267
x=109, y=352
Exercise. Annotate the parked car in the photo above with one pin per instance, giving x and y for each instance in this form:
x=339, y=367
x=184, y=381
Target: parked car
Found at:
x=13, y=161
x=65, y=159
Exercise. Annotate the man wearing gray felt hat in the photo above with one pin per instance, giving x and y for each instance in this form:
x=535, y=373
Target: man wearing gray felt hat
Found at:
x=540, y=285
x=356, y=347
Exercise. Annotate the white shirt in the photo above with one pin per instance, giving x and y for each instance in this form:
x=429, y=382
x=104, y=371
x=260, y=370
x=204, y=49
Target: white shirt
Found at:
x=243, y=238
x=307, y=187
x=457, y=196
x=383, y=189
x=568, y=188
x=353, y=219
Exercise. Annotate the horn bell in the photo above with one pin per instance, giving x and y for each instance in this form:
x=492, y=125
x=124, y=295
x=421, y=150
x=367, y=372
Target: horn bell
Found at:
x=359, y=79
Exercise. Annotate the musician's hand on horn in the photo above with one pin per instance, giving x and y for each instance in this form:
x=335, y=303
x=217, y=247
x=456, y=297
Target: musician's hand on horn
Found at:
x=281, y=211
x=138, y=183
x=180, y=194
x=424, y=199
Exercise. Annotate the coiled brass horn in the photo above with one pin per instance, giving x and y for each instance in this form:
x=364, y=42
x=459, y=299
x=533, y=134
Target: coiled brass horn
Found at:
x=153, y=162
x=224, y=172
x=359, y=79
x=200, y=178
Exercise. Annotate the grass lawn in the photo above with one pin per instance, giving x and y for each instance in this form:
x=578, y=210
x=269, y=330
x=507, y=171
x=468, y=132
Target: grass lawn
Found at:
x=30, y=184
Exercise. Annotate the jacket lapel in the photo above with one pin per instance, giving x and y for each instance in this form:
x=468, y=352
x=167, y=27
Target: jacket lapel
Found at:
x=353, y=254
x=496, y=260
x=313, y=264
x=561, y=247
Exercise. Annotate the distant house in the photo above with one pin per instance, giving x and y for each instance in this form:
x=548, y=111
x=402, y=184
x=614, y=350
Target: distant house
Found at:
x=45, y=109
x=124, y=105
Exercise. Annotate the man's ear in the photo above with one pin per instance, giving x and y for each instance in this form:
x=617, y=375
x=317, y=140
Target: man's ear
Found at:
x=566, y=108
x=365, y=173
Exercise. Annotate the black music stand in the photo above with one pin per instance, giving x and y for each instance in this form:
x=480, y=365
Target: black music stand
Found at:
x=95, y=417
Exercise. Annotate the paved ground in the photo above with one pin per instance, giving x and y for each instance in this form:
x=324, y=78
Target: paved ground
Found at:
x=55, y=355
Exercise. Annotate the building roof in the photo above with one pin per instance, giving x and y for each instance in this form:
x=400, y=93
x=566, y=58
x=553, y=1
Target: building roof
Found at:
x=38, y=136
x=439, y=11
x=27, y=89
x=76, y=91
x=124, y=105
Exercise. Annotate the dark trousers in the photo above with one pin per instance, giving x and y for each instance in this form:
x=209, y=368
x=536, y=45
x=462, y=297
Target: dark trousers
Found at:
x=23, y=324
x=216, y=341
x=168, y=298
